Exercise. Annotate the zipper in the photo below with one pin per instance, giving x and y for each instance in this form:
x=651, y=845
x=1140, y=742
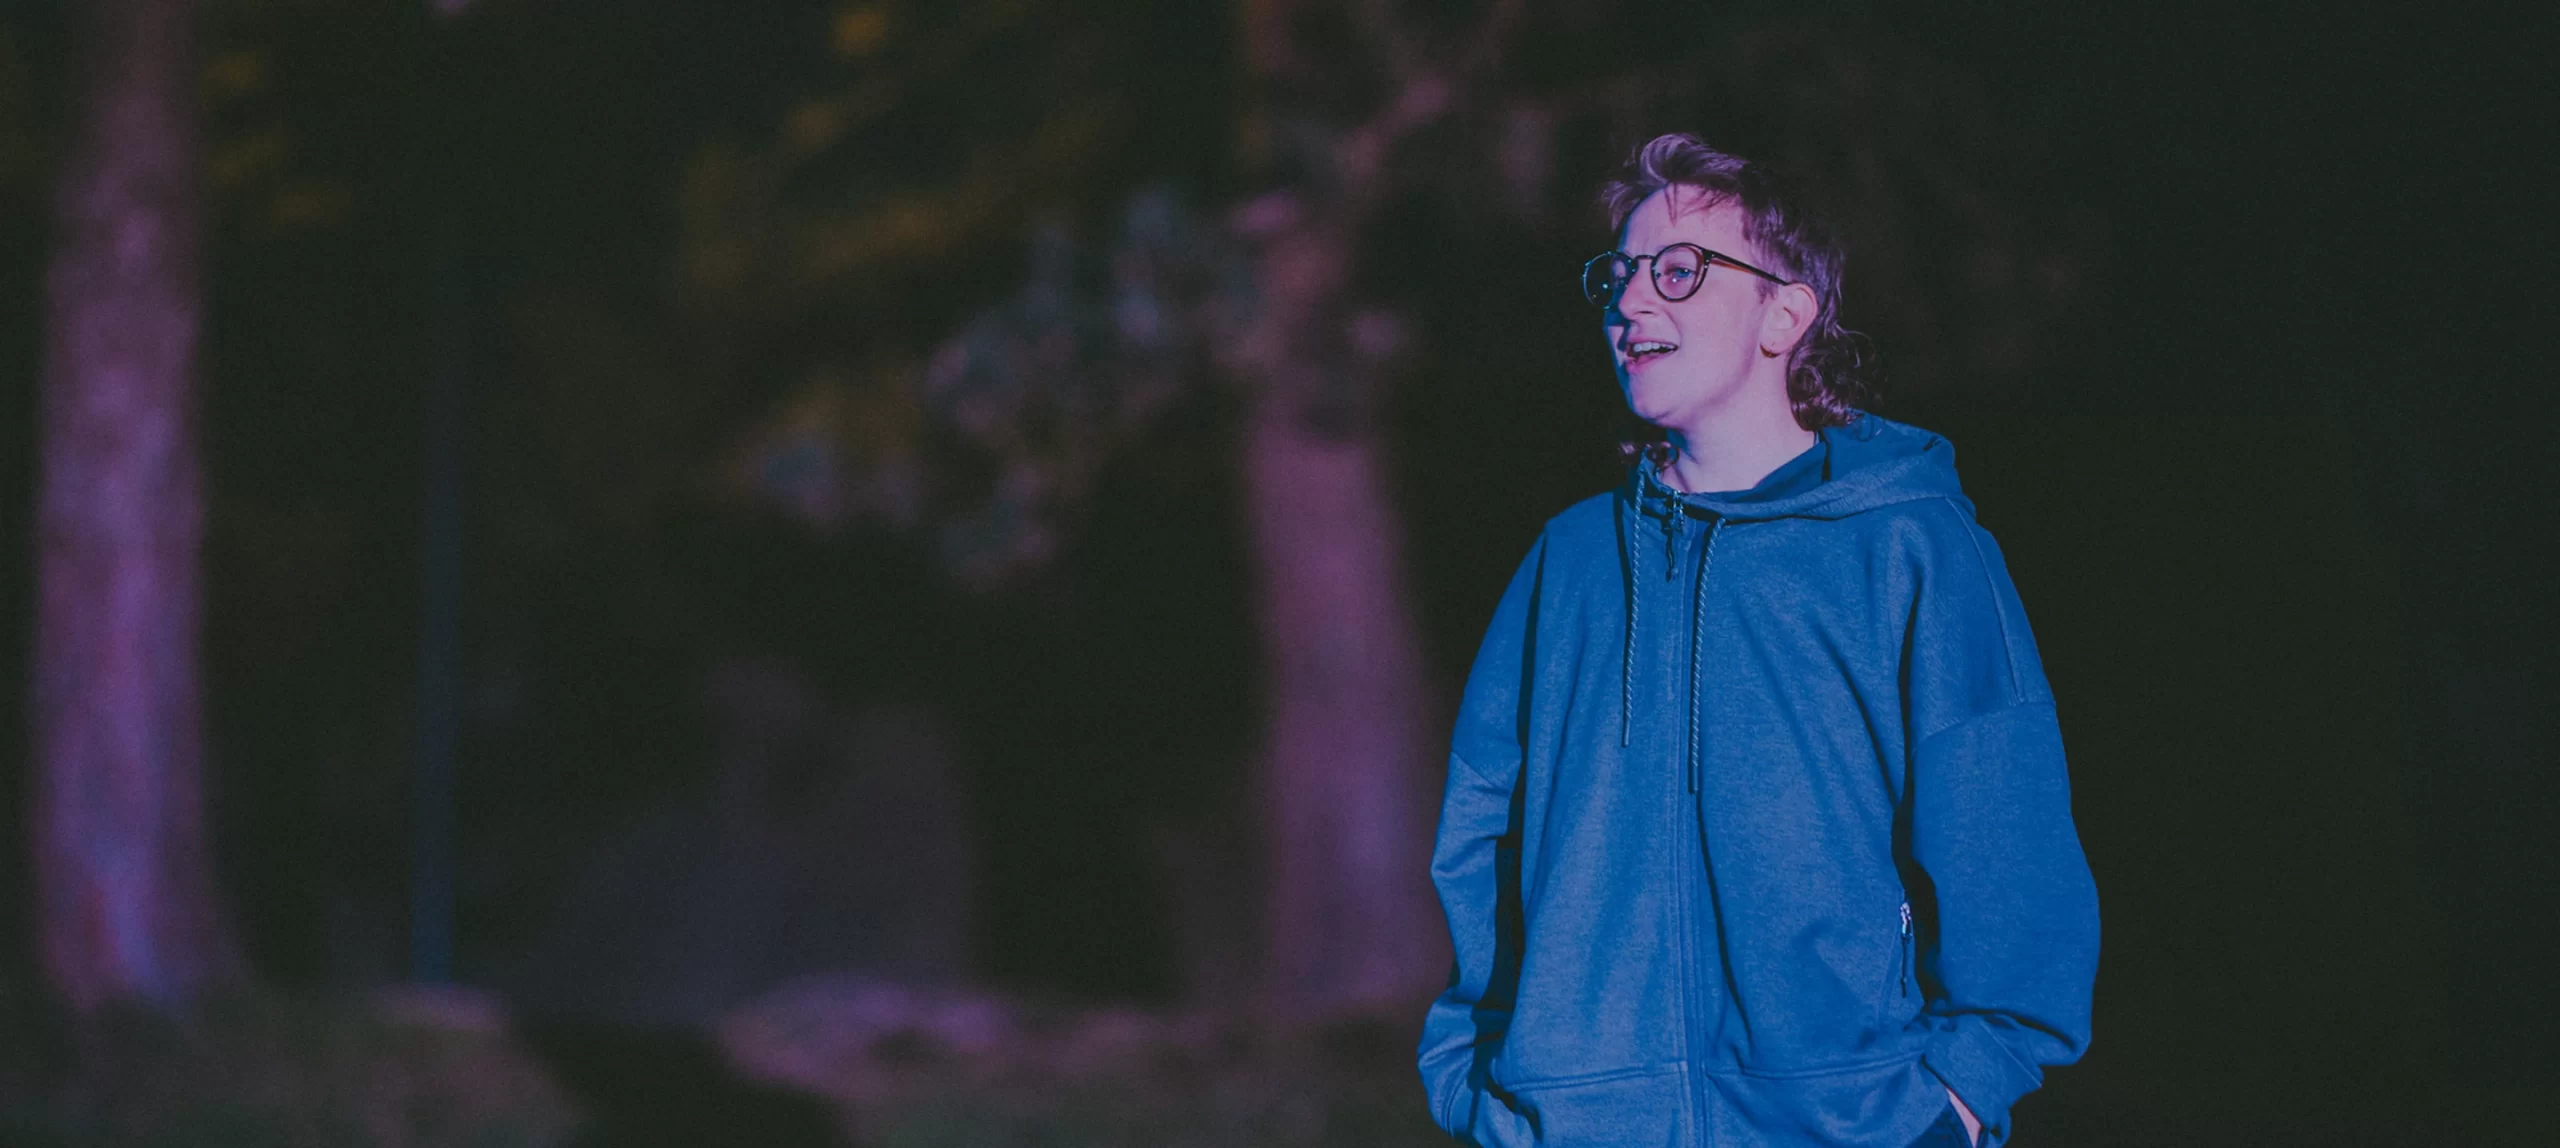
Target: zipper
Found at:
x=1693, y=1046
x=1688, y=864
x=1697, y=609
x=1905, y=964
x=1704, y=1007
x=1691, y=902
x=1695, y=999
x=1673, y=518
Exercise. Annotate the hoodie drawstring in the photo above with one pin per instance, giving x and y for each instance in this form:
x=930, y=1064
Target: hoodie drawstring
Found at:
x=1627, y=653
x=1671, y=517
x=1674, y=517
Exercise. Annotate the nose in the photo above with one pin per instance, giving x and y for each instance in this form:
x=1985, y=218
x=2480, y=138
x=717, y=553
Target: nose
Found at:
x=1636, y=298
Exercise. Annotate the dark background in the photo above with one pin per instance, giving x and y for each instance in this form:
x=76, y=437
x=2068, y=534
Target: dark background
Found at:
x=2277, y=491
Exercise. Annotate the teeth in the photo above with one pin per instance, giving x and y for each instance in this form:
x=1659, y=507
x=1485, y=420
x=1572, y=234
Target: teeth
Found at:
x=1648, y=347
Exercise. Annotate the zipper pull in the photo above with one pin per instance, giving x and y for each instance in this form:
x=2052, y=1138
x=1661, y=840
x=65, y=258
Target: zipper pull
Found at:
x=1671, y=524
x=1906, y=948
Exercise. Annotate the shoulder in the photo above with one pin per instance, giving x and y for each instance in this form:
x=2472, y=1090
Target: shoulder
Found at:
x=1570, y=550
x=1937, y=533
x=1591, y=524
x=1971, y=645
x=1578, y=548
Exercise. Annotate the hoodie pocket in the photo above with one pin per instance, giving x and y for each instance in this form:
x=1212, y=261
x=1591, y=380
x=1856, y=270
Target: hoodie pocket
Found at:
x=1641, y=1108
x=1893, y=1003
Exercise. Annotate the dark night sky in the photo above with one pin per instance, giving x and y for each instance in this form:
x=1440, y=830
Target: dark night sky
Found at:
x=2281, y=511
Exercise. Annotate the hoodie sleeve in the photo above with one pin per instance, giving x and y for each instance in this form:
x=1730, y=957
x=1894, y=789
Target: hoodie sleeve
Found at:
x=1475, y=863
x=2016, y=949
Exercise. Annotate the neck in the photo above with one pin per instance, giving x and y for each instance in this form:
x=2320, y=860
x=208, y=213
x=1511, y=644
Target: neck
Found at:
x=1733, y=449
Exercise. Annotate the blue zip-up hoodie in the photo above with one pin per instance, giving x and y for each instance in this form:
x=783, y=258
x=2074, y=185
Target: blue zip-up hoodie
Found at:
x=1757, y=831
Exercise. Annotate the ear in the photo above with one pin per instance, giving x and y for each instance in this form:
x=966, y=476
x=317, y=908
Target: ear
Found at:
x=1787, y=320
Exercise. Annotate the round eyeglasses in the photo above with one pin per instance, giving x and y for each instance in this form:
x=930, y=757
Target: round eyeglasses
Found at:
x=1677, y=272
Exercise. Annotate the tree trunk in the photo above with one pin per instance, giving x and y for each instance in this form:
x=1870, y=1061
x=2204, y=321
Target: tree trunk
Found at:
x=1349, y=922
x=125, y=898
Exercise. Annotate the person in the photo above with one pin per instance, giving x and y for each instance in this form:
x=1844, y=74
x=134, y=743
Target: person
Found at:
x=1757, y=830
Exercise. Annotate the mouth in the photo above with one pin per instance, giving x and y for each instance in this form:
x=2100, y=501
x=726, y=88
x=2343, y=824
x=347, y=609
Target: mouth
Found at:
x=1642, y=351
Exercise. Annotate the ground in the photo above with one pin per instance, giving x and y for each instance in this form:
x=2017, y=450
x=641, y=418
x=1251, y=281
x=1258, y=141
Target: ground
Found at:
x=840, y=1061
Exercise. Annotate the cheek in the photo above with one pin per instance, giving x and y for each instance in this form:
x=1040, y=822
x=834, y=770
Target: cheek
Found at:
x=1722, y=335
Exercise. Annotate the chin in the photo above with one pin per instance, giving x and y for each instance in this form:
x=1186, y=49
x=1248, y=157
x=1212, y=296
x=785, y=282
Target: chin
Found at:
x=1649, y=402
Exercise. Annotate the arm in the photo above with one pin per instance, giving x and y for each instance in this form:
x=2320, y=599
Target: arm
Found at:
x=1475, y=865
x=2016, y=950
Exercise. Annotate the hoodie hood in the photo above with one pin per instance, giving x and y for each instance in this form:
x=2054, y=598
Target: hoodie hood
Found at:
x=1870, y=463
x=1874, y=462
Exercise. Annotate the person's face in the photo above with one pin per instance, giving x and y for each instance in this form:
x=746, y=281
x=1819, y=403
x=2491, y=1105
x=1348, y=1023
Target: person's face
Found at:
x=1679, y=362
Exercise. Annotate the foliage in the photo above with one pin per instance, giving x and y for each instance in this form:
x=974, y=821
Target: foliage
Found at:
x=1415, y=133
x=932, y=382
x=1030, y=398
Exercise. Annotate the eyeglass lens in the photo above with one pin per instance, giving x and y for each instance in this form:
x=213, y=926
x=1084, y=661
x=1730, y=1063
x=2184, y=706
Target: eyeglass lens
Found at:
x=1677, y=271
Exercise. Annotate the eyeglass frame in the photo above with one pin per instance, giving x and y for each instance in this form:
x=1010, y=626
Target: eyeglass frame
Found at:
x=1706, y=258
